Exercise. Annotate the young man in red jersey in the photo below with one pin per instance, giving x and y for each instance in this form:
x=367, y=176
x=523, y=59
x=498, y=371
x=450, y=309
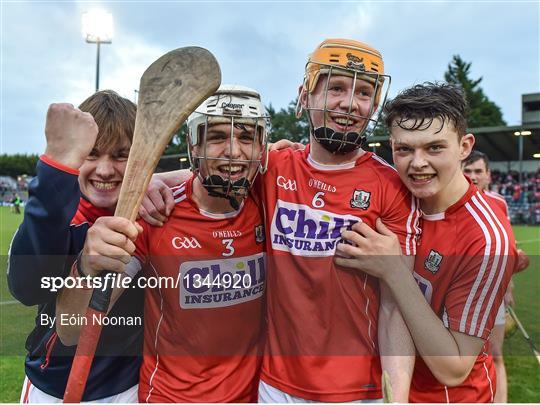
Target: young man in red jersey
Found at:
x=203, y=332
x=465, y=256
x=329, y=326
x=476, y=167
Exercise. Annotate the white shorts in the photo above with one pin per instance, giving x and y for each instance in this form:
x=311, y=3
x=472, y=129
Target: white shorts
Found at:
x=272, y=395
x=500, y=319
x=32, y=395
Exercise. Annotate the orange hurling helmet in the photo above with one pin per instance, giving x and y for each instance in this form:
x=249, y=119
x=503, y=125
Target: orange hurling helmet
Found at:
x=344, y=130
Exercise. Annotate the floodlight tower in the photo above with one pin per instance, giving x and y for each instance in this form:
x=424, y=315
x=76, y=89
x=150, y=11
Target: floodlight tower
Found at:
x=521, y=134
x=97, y=28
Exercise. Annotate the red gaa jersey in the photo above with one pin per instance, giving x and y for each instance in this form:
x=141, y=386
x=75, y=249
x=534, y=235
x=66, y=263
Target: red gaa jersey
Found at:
x=464, y=263
x=202, y=335
x=87, y=213
x=322, y=318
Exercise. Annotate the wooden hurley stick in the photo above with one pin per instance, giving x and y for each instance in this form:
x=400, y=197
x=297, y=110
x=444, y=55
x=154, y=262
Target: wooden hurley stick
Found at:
x=170, y=90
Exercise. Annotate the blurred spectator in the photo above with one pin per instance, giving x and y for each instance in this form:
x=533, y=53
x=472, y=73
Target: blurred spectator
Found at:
x=22, y=182
x=16, y=203
x=523, y=198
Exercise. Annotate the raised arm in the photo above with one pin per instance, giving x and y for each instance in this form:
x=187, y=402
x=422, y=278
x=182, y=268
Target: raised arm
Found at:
x=42, y=245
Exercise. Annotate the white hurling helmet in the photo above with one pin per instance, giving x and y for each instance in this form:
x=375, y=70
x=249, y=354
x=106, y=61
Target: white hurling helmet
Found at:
x=241, y=108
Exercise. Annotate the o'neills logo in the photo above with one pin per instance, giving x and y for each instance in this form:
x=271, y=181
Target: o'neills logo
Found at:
x=304, y=231
x=223, y=282
x=321, y=185
x=226, y=234
x=232, y=106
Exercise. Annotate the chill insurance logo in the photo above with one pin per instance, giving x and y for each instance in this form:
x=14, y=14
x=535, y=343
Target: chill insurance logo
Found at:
x=305, y=231
x=223, y=282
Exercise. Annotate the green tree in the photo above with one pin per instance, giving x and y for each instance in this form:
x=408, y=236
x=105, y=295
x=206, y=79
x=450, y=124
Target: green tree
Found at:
x=482, y=111
x=178, y=144
x=285, y=125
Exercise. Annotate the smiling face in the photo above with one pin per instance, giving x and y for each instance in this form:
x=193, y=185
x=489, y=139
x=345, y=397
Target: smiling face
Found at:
x=333, y=104
x=429, y=162
x=478, y=173
x=100, y=176
x=232, y=157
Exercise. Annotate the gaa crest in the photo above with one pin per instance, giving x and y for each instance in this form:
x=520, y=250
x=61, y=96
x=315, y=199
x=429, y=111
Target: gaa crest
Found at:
x=360, y=199
x=259, y=234
x=354, y=62
x=433, y=261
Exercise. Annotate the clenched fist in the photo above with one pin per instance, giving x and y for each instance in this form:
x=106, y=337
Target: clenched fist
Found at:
x=71, y=134
x=109, y=245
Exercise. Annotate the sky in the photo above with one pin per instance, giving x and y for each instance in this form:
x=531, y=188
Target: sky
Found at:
x=263, y=45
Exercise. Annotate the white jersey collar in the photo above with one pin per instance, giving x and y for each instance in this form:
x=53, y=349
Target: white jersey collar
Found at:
x=433, y=217
x=225, y=215
x=320, y=166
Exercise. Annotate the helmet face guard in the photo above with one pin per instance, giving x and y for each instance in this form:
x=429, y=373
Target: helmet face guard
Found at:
x=241, y=112
x=354, y=62
x=223, y=183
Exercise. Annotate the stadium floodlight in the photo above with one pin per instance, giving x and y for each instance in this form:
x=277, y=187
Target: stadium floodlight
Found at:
x=97, y=28
x=374, y=146
x=522, y=133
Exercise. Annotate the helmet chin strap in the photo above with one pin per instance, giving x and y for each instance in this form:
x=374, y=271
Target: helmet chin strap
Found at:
x=338, y=142
x=214, y=183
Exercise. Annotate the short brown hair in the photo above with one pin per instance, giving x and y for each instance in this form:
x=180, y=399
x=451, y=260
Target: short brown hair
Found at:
x=115, y=117
x=475, y=156
x=419, y=105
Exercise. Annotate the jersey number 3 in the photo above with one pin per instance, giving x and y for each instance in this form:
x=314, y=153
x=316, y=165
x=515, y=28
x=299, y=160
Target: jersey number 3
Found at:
x=228, y=246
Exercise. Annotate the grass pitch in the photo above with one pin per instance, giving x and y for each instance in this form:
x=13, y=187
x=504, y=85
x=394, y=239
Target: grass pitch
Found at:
x=16, y=321
x=522, y=367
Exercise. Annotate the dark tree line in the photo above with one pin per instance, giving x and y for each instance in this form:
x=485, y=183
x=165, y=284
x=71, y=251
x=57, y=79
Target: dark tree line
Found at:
x=15, y=165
